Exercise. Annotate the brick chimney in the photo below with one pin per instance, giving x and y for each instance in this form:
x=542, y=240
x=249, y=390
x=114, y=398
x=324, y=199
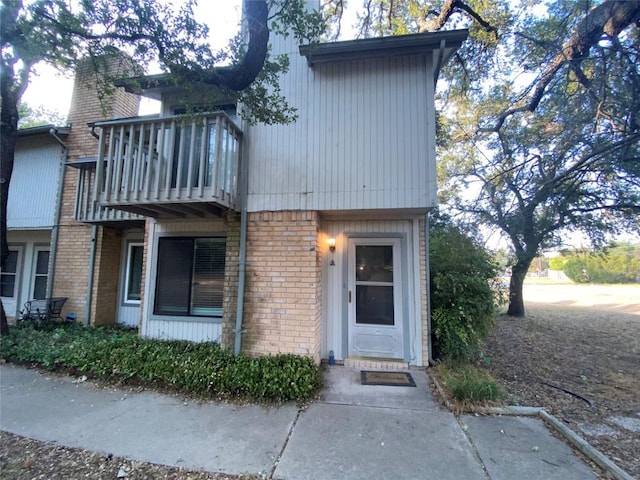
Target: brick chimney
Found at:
x=73, y=260
x=92, y=102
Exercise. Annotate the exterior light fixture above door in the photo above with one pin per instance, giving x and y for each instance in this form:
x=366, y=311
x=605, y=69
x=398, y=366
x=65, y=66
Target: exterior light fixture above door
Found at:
x=332, y=249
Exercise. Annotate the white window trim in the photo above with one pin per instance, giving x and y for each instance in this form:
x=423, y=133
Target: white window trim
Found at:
x=34, y=266
x=125, y=287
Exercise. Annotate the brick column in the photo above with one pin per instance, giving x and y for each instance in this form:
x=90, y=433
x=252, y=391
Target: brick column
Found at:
x=283, y=289
x=74, y=240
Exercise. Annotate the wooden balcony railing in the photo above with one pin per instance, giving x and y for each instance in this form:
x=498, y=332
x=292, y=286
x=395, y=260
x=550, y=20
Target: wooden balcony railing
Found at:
x=168, y=166
x=86, y=208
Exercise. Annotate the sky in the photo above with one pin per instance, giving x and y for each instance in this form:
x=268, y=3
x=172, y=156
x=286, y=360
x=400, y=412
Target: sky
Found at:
x=52, y=90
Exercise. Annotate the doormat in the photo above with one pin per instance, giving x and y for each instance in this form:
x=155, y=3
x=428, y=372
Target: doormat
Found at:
x=392, y=379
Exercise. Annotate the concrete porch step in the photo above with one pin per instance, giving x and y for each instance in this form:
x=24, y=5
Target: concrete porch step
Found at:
x=375, y=364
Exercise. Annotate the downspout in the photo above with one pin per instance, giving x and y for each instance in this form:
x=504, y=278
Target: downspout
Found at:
x=92, y=266
x=53, y=249
x=242, y=265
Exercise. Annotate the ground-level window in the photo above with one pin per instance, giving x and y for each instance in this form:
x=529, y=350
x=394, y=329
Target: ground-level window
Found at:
x=8, y=275
x=133, y=281
x=41, y=274
x=190, y=276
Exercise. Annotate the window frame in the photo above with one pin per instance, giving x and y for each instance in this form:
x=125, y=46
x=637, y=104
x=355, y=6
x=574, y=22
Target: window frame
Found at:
x=37, y=249
x=130, y=245
x=153, y=288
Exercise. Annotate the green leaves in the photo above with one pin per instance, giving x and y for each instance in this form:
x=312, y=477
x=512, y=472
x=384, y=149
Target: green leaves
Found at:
x=204, y=369
x=463, y=302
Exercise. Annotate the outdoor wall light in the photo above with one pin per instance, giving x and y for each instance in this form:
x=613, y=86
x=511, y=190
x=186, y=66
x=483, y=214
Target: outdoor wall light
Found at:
x=332, y=249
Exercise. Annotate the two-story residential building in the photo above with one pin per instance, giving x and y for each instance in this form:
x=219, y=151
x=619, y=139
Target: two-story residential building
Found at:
x=307, y=238
x=32, y=215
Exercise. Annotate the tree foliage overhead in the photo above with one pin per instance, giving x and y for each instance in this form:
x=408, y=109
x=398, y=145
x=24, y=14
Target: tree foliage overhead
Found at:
x=540, y=110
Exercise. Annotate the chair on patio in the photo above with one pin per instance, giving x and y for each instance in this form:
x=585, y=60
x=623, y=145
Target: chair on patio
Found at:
x=43, y=310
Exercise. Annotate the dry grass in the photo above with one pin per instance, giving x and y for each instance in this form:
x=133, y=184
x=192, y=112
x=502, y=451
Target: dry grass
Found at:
x=584, y=339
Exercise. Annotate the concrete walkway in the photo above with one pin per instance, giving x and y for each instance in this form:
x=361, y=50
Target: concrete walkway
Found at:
x=352, y=432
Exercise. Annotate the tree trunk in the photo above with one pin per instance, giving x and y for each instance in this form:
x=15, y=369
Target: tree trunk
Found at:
x=4, y=325
x=516, y=299
x=8, y=140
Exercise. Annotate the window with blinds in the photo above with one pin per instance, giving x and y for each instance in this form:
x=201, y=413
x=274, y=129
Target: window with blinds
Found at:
x=190, y=276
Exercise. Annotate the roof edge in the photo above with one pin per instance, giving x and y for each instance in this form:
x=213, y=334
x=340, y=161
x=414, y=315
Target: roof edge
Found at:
x=380, y=47
x=23, y=132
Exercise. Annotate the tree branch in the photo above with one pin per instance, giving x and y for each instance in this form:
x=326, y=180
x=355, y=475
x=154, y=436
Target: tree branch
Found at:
x=448, y=9
x=610, y=18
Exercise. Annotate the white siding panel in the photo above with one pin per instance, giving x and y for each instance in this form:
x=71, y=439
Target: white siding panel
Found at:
x=179, y=330
x=361, y=141
x=32, y=193
x=335, y=287
x=128, y=315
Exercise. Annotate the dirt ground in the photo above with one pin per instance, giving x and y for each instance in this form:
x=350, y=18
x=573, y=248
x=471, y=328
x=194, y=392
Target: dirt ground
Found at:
x=577, y=354
x=26, y=459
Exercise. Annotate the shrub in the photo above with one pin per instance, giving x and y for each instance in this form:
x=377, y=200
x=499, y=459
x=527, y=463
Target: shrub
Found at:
x=467, y=383
x=616, y=263
x=462, y=299
x=205, y=369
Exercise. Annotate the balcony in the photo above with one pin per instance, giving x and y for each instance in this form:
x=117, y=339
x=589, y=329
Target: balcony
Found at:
x=184, y=166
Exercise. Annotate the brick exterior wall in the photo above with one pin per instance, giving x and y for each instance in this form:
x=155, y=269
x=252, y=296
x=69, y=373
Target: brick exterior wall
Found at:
x=232, y=260
x=74, y=241
x=107, y=274
x=283, y=302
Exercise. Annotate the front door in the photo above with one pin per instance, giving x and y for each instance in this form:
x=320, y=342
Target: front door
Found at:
x=375, y=320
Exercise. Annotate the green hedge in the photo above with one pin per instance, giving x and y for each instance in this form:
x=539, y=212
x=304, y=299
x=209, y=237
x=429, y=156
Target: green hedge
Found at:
x=463, y=301
x=204, y=369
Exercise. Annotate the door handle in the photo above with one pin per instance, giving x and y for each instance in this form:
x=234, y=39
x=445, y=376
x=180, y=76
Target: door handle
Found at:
x=349, y=296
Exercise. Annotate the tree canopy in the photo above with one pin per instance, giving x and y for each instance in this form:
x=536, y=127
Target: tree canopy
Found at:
x=539, y=131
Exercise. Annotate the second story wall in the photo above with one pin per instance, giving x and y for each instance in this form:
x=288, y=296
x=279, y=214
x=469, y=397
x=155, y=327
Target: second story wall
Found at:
x=364, y=139
x=32, y=192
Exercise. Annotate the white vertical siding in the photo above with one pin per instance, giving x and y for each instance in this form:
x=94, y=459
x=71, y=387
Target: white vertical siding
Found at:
x=335, y=287
x=197, y=330
x=364, y=138
x=193, y=331
x=128, y=315
x=32, y=193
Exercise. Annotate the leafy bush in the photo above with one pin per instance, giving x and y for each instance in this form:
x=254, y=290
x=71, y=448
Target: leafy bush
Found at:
x=462, y=299
x=616, y=263
x=205, y=369
x=466, y=383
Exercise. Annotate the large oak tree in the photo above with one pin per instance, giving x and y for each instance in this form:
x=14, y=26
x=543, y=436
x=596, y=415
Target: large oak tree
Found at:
x=540, y=115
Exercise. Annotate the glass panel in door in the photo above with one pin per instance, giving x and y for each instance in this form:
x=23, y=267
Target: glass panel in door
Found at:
x=9, y=275
x=42, y=272
x=374, y=285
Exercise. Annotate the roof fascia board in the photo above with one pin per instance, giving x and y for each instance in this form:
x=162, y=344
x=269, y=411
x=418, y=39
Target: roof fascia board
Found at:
x=400, y=45
x=40, y=129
